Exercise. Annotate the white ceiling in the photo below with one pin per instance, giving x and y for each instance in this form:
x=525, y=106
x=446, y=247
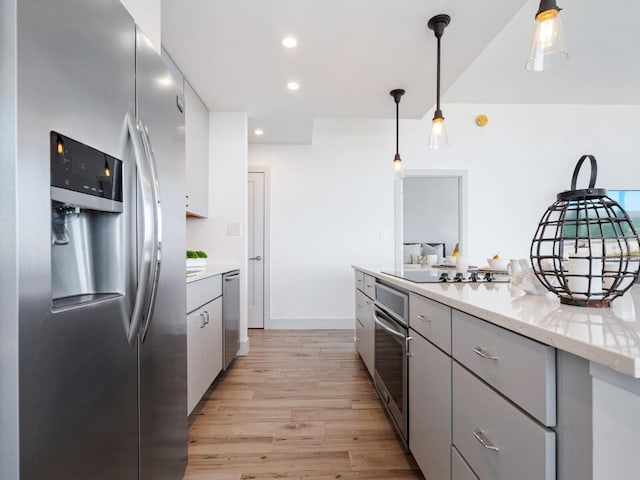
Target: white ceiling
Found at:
x=351, y=53
x=603, y=66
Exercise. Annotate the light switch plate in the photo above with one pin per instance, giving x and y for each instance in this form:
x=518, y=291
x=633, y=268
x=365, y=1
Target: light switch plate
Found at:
x=233, y=229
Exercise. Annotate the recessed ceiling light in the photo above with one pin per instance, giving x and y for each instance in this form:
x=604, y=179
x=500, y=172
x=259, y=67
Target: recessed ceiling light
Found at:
x=293, y=85
x=258, y=131
x=289, y=42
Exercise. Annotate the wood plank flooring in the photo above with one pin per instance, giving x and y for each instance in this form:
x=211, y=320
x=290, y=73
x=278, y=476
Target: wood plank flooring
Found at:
x=301, y=405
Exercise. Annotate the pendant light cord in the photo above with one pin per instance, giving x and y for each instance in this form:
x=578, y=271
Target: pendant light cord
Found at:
x=397, y=127
x=438, y=77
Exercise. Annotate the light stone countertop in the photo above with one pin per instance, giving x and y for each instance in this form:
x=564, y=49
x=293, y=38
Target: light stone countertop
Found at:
x=607, y=336
x=210, y=271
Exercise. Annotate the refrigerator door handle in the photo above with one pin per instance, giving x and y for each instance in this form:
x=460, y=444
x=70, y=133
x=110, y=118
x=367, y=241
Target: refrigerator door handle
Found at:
x=139, y=305
x=156, y=247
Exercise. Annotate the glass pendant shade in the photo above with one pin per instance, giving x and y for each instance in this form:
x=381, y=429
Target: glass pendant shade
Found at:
x=397, y=172
x=438, y=138
x=548, y=48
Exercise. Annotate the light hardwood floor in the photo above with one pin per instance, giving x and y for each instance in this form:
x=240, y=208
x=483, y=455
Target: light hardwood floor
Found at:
x=301, y=405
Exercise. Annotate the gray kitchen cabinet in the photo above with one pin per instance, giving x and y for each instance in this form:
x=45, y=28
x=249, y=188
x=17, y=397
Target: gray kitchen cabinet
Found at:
x=429, y=407
x=498, y=440
x=520, y=368
x=204, y=336
x=432, y=320
x=196, y=153
x=459, y=468
x=365, y=326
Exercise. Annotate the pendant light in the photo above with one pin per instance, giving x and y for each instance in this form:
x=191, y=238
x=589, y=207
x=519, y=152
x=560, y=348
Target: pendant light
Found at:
x=438, y=138
x=397, y=161
x=548, y=48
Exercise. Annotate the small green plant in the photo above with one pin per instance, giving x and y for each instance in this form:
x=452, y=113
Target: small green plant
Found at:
x=191, y=254
x=201, y=254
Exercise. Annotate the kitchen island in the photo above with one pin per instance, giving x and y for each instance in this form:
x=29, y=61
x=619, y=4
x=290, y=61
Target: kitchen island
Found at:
x=592, y=372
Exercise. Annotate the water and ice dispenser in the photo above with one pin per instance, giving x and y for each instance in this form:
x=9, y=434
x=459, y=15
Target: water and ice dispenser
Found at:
x=87, y=227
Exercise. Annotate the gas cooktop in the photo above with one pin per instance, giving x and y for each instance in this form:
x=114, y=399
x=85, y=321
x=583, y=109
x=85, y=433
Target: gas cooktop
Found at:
x=437, y=276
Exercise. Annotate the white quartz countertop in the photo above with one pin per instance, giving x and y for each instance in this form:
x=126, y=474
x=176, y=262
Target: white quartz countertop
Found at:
x=209, y=271
x=607, y=336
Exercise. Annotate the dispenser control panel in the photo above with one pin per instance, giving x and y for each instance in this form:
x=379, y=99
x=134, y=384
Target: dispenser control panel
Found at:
x=83, y=169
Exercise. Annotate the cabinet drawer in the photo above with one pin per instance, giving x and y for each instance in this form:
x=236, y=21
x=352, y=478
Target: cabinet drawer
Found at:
x=497, y=440
x=520, y=368
x=360, y=280
x=370, y=286
x=459, y=468
x=364, y=307
x=431, y=319
x=203, y=291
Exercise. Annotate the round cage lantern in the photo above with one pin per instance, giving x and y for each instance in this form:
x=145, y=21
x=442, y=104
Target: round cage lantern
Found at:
x=586, y=249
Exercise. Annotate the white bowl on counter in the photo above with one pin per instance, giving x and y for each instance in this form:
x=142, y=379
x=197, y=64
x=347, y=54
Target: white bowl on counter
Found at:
x=498, y=263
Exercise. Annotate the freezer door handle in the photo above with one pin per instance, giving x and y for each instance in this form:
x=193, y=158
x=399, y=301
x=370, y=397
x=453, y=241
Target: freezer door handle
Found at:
x=156, y=245
x=144, y=274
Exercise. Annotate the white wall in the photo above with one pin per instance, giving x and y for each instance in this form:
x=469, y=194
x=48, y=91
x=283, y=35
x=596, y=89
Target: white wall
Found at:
x=331, y=200
x=227, y=202
x=147, y=14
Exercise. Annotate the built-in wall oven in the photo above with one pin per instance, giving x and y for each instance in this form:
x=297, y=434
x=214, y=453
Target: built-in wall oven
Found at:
x=391, y=315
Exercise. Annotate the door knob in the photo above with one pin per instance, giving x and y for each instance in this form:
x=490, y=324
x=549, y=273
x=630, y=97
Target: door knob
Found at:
x=258, y=258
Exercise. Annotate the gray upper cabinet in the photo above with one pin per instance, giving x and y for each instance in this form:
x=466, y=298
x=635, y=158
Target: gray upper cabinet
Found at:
x=196, y=153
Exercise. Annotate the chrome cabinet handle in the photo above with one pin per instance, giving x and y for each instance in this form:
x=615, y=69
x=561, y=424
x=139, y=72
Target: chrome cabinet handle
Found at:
x=407, y=340
x=368, y=302
x=258, y=258
x=484, y=441
x=203, y=322
x=423, y=318
x=480, y=352
x=208, y=318
x=369, y=286
x=188, y=201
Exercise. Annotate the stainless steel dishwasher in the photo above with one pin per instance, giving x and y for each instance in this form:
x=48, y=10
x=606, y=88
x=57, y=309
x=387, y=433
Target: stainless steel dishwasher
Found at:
x=230, y=316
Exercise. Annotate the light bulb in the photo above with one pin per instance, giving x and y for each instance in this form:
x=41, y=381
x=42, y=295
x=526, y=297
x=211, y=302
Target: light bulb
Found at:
x=548, y=48
x=438, y=138
x=397, y=172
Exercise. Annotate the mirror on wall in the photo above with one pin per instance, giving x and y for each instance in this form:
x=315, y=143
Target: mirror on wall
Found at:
x=430, y=215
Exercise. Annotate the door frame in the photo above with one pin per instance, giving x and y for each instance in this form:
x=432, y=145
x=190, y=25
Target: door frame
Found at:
x=266, y=170
x=398, y=196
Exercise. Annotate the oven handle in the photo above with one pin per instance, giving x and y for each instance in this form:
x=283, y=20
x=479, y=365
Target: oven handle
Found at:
x=386, y=326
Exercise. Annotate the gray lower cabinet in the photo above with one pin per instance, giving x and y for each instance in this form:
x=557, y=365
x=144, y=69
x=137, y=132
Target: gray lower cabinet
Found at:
x=365, y=327
x=204, y=336
x=459, y=468
x=429, y=408
x=521, y=369
x=204, y=350
x=498, y=440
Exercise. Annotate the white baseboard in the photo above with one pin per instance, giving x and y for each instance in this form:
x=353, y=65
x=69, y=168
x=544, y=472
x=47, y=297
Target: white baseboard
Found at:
x=244, y=348
x=312, y=324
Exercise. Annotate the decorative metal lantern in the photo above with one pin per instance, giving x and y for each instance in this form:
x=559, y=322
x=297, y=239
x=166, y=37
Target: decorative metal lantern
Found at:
x=586, y=249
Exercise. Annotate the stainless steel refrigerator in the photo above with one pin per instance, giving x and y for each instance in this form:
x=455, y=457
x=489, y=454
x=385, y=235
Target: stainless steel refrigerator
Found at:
x=93, y=328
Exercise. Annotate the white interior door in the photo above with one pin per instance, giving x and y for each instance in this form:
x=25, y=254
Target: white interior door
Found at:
x=255, y=291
